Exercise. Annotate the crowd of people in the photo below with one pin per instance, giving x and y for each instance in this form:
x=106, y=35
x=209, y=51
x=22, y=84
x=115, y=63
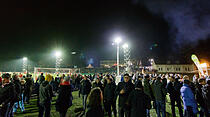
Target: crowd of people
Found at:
x=138, y=94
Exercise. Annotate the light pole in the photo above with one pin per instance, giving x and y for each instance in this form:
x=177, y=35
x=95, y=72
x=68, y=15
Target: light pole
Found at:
x=58, y=55
x=25, y=64
x=117, y=41
x=126, y=57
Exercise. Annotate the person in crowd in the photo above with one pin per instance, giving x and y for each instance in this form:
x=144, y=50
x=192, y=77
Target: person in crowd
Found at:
x=19, y=97
x=94, y=108
x=0, y=81
x=138, y=101
x=7, y=96
x=85, y=90
x=147, y=90
x=206, y=97
x=160, y=95
x=123, y=90
x=45, y=97
x=109, y=97
x=28, y=89
x=199, y=96
x=57, y=82
x=190, y=104
x=41, y=78
x=97, y=83
x=77, y=81
x=173, y=88
x=64, y=100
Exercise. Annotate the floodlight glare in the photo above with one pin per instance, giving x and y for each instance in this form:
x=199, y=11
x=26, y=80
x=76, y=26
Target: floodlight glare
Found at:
x=125, y=46
x=58, y=54
x=118, y=40
x=25, y=58
x=203, y=65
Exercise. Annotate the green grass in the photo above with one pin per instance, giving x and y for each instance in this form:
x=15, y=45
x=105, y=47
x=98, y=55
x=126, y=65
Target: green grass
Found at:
x=32, y=109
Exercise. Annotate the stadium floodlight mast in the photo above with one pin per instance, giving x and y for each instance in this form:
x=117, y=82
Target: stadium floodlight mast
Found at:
x=127, y=61
x=58, y=55
x=117, y=41
x=25, y=64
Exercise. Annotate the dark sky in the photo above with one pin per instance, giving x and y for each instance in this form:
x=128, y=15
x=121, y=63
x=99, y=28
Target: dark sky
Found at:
x=35, y=29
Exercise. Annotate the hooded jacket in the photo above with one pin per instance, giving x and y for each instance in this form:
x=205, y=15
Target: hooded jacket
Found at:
x=159, y=91
x=45, y=93
x=188, y=98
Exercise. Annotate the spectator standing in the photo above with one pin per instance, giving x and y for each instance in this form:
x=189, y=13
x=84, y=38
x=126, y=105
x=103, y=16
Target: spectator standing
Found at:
x=206, y=97
x=94, y=108
x=138, y=101
x=160, y=94
x=45, y=97
x=123, y=90
x=109, y=97
x=64, y=100
x=190, y=104
x=85, y=90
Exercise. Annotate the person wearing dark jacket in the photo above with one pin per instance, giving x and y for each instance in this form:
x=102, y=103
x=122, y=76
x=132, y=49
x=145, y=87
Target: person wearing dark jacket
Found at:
x=206, y=97
x=45, y=97
x=28, y=89
x=98, y=83
x=199, y=96
x=123, y=90
x=94, y=108
x=173, y=88
x=64, y=100
x=147, y=90
x=138, y=101
x=160, y=94
x=18, y=97
x=85, y=90
x=7, y=96
x=109, y=97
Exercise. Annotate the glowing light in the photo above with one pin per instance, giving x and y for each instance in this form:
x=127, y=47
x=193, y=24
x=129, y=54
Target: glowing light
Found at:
x=125, y=46
x=203, y=65
x=25, y=58
x=58, y=54
x=118, y=40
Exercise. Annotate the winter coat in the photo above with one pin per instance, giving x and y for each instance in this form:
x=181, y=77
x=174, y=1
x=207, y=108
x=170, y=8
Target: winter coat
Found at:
x=64, y=100
x=159, y=91
x=188, y=98
x=128, y=87
x=95, y=112
x=7, y=93
x=147, y=87
x=138, y=102
x=206, y=95
x=45, y=93
x=17, y=90
x=85, y=87
x=199, y=96
x=109, y=92
x=98, y=85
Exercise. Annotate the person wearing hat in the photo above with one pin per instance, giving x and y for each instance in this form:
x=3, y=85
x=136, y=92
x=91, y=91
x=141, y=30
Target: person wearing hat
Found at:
x=190, y=104
x=64, y=100
x=138, y=101
x=45, y=96
x=7, y=96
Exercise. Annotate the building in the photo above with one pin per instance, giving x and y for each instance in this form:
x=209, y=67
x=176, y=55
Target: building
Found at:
x=174, y=68
x=110, y=63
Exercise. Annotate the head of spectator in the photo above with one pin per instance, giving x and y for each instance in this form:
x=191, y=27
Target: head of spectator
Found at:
x=109, y=80
x=95, y=97
x=48, y=78
x=202, y=81
x=5, y=78
x=186, y=79
x=126, y=77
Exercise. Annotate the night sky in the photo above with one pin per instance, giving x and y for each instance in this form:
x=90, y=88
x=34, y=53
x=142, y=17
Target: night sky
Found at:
x=34, y=29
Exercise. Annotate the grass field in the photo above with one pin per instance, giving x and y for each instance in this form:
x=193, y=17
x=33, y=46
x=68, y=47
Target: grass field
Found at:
x=32, y=109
